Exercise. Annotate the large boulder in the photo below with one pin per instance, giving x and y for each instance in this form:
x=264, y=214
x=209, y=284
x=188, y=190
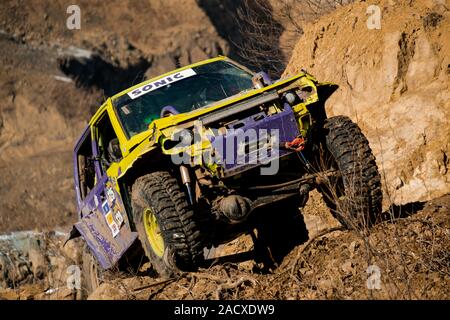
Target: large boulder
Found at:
x=394, y=82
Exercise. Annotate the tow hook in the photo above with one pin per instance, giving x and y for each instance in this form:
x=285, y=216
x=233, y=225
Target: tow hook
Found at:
x=298, y=144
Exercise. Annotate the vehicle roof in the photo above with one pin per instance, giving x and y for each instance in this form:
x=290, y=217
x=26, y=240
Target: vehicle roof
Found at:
x=105, y=104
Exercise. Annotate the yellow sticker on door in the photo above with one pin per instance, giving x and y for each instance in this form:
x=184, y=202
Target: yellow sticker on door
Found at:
x=112, y=224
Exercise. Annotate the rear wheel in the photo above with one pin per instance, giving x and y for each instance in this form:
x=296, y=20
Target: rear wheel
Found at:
x=165, y=224
x=355, y=196
x=92, y=276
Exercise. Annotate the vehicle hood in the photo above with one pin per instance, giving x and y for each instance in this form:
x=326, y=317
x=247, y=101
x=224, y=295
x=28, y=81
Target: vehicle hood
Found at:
x=186, y=120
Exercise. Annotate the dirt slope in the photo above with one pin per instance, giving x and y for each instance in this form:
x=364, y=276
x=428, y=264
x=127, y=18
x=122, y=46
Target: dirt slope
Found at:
x=175, y=28
x=411, y=254
x=52, y=79
x=40, y=117
x=394, y=82
x=410, y=249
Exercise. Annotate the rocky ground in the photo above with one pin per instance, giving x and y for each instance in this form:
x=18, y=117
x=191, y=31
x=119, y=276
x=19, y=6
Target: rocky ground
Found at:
x=394, y=82
x=410, y=248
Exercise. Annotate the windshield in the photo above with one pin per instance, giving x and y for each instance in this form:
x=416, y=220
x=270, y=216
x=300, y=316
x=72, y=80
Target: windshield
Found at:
x=184, y=91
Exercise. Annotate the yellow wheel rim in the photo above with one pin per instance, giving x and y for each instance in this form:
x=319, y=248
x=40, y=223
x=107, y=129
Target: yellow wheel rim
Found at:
x=153, y=232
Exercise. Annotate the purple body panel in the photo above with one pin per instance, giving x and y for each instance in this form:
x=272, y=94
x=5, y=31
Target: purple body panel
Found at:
x=254, y=132
x=93, y=225
x=95, y=229
x=266, y=78
x=95, y=154
x=77, y=147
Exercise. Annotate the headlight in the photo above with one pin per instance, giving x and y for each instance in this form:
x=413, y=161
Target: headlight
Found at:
x=290, y=98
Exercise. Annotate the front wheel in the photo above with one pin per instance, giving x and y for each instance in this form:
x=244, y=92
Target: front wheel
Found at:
x=355, y=196
x=165, y=224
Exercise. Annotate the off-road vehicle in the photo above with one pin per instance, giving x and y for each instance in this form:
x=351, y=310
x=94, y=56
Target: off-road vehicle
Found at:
x=190, y=159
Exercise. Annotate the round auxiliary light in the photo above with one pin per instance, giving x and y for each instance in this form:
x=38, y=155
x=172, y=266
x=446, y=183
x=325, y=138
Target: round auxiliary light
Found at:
x=290, y=98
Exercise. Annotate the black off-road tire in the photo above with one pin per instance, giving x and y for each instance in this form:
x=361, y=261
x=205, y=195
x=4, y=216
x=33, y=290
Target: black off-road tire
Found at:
x=183, y=249
x=359, y=184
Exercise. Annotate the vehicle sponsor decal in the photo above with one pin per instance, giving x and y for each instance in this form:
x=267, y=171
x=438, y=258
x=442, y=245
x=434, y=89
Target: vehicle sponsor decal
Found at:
x=111, y=196
x=112, y=224
x=119, y=218
x=109, y=218
x=105, y=207
x=149, y=87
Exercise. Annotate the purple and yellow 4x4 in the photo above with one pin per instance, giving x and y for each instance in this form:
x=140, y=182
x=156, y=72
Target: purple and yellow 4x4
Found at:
x=191, y=159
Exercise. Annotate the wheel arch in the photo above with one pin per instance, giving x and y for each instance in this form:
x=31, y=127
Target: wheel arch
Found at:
x=147, y=163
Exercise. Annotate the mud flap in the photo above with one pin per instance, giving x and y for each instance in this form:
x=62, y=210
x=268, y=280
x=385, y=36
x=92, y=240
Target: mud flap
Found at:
x=74, y=233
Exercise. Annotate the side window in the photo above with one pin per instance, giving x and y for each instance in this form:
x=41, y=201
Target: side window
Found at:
x=108, y=144
x=86, y=169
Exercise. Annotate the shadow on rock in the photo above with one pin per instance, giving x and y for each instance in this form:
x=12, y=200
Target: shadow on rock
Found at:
x=402, y=211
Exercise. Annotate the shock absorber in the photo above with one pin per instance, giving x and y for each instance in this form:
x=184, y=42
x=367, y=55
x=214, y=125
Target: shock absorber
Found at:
x=186, y=180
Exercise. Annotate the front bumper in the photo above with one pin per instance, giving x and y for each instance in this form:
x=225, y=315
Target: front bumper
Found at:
x=255, y=141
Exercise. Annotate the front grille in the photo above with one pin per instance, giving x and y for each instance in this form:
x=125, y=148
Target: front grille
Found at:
x=255, y=140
